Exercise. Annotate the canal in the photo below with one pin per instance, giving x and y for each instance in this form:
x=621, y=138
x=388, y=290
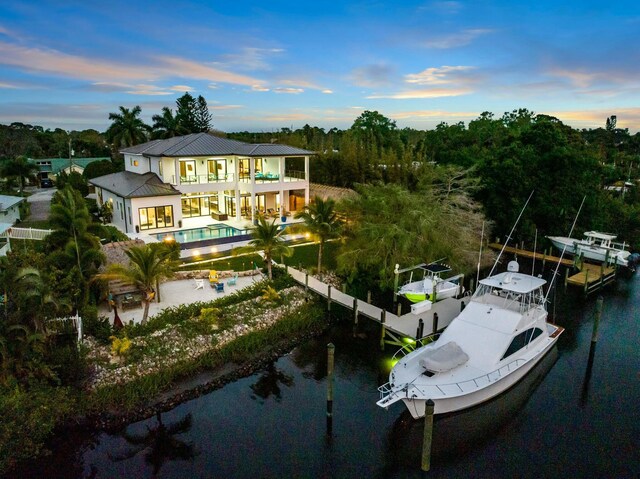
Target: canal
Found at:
x=563, y=420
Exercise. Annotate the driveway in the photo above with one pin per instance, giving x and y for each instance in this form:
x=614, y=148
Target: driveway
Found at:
x=40, y=202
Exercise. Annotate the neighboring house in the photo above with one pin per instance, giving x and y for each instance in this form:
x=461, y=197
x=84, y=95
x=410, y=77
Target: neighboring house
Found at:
x=9, y=215
x=10, y=208
x=51, y=167
x=190, y=177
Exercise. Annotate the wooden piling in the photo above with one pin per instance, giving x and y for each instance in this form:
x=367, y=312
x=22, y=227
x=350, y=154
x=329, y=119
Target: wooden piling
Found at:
x=435, y=322
x=596, y=321
x=369, y=297
x=330, y=361
x=306, y=283
x=383, y=329
x=586, y=281
x=399, y=309
x=566, y=278
x=427, y=437
x=355, y=316
x=471, y=285
x=420, y=331
x=329, y=298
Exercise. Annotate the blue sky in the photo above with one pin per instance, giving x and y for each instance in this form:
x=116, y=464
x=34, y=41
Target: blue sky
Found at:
x=266, y=65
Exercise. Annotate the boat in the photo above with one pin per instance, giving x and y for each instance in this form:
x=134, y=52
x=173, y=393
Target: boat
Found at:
x=595, y=246
x=423, y=289
x=491, y=345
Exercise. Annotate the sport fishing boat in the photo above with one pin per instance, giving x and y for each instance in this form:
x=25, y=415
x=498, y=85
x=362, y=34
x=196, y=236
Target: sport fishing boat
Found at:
x=431, y=287
x=492, y=344
x=595, y=246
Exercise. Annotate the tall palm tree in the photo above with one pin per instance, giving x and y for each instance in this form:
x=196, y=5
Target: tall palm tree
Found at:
x=19, y=168
x=321, y=220
x=149, y=264
x=127, y=128
x=167, y=125
x=267, y=237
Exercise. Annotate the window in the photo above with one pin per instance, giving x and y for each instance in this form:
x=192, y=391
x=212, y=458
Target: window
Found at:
x=521, y=340
x=198, y=205
x=156, y=217
x=188, y=171
x=217, y=170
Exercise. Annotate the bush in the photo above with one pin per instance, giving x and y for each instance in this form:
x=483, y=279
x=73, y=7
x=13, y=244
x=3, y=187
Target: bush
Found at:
x=99, y=328
x=68, y=363
x=28, y=419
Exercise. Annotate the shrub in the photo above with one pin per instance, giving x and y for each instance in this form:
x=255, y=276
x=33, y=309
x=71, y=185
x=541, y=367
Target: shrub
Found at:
x=28, y=419
x=98, y=327
x=120, y=346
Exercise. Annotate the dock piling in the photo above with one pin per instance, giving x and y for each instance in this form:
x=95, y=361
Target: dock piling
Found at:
x=427, y=437
x=330, y=362
x=399, y=309
x=383, y=329
x=596, y=322
x=355, y=316
x=435, y=322
x=329, y=298
x=420, y=330
x=369, y=297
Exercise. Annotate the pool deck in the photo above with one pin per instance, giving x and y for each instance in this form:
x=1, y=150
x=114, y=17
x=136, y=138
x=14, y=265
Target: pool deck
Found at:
x=177, y=292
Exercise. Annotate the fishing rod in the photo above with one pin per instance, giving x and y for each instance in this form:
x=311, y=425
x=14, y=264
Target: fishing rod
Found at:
x=564, y=248
x=512, y=229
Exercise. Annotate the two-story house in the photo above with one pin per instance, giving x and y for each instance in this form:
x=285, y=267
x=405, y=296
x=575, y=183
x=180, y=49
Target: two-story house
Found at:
x=188, y=181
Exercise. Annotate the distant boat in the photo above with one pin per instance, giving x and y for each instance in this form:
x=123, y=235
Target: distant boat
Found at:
x=423, y=289
x=492, y=344
x=595, y=246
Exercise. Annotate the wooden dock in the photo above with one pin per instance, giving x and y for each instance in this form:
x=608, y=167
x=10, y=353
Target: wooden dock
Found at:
x=590, y=277
x=533, y=255
x=397, y=327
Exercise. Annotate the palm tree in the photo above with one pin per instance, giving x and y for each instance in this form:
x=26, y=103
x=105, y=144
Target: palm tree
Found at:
x=149, y=264
x=267, y=237
x=321, y=220
x=167, y=125
x=19, y=168
x=127, y=128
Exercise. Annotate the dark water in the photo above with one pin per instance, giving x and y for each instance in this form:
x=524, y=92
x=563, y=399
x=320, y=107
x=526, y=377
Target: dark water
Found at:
x=563, y=420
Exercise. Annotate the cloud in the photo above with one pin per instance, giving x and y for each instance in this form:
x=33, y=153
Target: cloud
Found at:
x=73, y=66
x=293, y=91
x=578, y=78
x=457, y=39
x=327, y=91
x=259, y=88
x=627, y=117
x=151, y=90
x=431, y=114
x=251, y=58
x=181, y=88
x=10, y=86
x=425, y=93
x=437, y=76
x=373, y=76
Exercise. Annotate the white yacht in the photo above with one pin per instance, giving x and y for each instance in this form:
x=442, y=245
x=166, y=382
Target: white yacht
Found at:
x=595, y=246
x=491, y=345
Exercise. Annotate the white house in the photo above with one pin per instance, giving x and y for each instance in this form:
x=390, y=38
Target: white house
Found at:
x=9, y=215
x=176, y=183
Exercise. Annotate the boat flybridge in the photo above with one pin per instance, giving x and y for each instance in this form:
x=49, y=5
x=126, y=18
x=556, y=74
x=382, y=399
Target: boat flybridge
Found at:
x=595, y=246
x=492, y=344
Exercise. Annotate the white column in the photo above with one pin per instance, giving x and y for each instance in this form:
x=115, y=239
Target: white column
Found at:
x=306, y=184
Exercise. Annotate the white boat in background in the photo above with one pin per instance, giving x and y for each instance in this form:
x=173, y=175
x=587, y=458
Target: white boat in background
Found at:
x=432, y=287
x=491, y=345
x=595, y=246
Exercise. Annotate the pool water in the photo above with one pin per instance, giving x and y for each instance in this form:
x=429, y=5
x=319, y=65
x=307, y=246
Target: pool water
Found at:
x=198, y=234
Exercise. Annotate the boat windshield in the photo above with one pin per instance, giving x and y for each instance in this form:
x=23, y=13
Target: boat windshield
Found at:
x=520, y=302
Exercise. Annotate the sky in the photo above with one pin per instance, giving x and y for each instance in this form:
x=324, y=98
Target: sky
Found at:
x=263, y=66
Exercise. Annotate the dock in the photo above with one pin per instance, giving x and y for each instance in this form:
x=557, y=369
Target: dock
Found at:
x=590, y=277
x=397, y=327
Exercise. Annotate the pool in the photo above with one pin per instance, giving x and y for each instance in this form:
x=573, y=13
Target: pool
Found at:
x=211, y=232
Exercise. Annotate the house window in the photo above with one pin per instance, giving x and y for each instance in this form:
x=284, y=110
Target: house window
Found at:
x=217, y=170
x=198, y=205
x=188, y=171
x=156, y=217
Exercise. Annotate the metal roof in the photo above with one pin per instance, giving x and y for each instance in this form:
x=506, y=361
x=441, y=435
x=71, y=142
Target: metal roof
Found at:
x=128, y=184
x=204, y=144
x=7, y=202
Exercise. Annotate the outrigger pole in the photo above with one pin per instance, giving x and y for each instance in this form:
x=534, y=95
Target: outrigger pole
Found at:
x=564, y=249
x=509, y=237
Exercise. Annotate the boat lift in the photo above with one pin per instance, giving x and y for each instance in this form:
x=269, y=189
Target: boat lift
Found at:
x=458, y=278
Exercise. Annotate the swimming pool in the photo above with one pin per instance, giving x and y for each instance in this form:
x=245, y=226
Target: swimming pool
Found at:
x=216, y=231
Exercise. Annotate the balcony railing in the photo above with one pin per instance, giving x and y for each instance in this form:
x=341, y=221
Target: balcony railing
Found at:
x=202, y=179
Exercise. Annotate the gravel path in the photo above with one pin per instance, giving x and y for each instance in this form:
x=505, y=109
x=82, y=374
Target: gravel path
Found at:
x=40, y=203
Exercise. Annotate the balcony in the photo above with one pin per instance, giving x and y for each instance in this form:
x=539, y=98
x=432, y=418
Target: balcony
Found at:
x=202, y=179
x=289, y=176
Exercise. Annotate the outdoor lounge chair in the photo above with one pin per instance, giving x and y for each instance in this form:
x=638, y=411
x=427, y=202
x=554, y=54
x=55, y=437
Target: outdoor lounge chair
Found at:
x=220, y=287
x=199, y=283
x=233, y=280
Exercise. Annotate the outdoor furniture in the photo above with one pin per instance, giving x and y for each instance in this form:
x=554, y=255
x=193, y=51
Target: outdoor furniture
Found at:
x=216, y=215
x=199, y=283
x=129, y=302
x=233, y=280
x=213, y=277
x=220, y=287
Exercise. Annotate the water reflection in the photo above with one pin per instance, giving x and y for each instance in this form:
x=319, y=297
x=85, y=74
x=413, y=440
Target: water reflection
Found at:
x=159, y=443
x=268, y=382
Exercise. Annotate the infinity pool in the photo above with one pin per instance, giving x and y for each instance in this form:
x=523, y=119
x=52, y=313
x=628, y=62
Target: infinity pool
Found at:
x=216, y=231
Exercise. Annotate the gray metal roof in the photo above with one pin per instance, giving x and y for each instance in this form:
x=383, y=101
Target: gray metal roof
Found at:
x=7, y=202
x=204, y=144
x=128, y=184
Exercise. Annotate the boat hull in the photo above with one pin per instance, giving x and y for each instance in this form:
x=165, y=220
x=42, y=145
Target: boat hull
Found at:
x=417, y=406
x=418, y=291
x=590, y=251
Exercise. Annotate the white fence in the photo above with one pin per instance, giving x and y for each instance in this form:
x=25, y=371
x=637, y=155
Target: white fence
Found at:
x=28, y=233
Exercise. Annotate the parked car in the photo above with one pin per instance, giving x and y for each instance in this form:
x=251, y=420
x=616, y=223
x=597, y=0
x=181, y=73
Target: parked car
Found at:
x=46, y=183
